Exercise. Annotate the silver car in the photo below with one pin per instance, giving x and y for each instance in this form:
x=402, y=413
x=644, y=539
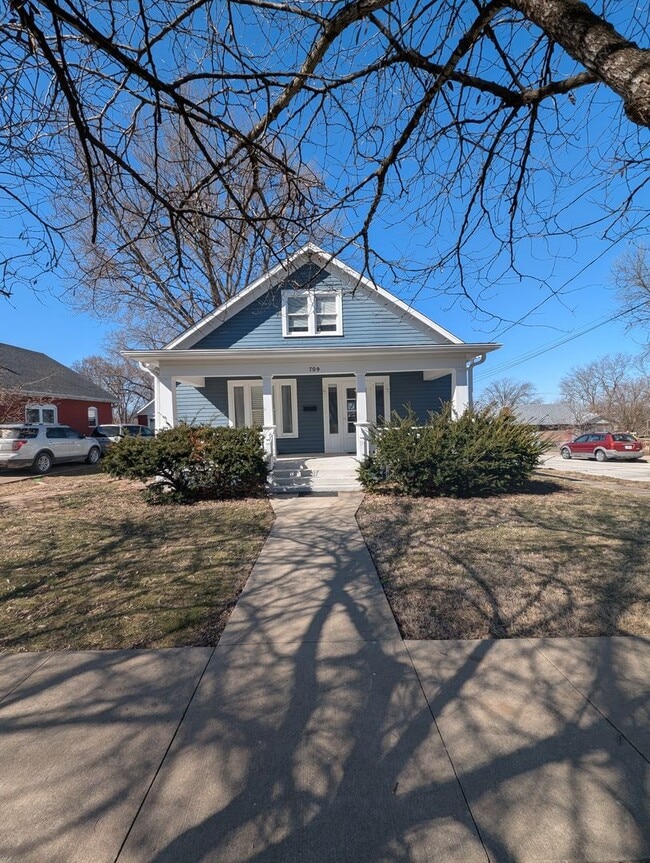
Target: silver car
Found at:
x=39, y=446
x=105, y=435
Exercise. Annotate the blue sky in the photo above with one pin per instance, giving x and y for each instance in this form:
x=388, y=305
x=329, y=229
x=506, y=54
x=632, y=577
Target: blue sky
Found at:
x=573, y=262
x=39, y=321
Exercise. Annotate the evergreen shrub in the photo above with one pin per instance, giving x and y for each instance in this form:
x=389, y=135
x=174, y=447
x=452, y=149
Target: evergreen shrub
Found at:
x=189, y=463
x=476, y=454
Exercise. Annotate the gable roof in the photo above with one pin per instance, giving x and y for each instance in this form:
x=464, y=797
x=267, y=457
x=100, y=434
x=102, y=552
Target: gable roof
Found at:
x=35, y=374
x=554, y=414
x=308, y=254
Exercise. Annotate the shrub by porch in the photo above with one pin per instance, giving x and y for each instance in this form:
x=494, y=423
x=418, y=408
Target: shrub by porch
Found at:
x=186, y=463
x=478, y=453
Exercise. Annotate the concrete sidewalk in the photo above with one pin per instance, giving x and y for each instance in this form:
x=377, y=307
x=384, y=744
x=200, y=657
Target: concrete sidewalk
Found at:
x=314, y=733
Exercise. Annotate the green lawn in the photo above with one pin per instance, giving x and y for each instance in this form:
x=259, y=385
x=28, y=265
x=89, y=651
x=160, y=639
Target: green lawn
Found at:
x=561, y=560
x=85, y=563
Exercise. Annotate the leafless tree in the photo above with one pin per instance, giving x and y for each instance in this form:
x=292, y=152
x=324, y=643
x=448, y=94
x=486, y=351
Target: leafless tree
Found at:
x=12, y=405
x=632, y=276
x=132, y=273
x=508, y=393
x=403, y=109
x=124, y=380
x=616, y=387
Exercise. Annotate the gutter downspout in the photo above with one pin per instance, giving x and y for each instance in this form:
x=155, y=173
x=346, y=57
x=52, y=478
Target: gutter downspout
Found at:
x=470, y=377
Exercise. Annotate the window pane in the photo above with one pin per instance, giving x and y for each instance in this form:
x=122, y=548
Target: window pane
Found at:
x=380, y=404
x=287, y=409
x=298, y=314
x=32, y=415
x=238, y=399
x=257, y=406
x=92, y=416
x=297, y=305
x=326, y=323
x=48, y=415
x=333, y=404
x=298, y=323
x=351, y=407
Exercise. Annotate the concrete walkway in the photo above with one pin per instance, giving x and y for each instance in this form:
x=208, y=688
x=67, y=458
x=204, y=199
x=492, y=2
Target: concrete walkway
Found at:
x=314, y=733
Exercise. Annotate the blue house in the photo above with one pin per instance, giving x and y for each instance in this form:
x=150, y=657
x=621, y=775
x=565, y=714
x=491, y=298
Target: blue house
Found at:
x=312, y=353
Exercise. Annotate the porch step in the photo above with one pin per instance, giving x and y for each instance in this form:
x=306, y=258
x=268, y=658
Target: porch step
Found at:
x=313, y=474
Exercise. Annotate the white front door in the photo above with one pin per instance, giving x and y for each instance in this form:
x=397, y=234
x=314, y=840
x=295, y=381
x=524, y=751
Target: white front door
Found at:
x=340, y=412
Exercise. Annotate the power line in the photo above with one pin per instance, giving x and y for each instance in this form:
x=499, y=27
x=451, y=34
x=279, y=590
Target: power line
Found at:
x=550, y=346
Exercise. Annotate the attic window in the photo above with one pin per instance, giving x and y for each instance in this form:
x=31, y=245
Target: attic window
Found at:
x=312, y=313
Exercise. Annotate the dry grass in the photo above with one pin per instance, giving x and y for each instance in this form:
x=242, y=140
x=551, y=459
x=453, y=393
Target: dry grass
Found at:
x=85, y=563
x=560, y=560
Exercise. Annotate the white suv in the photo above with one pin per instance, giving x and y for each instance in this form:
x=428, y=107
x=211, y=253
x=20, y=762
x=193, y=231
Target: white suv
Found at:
x=41, y=446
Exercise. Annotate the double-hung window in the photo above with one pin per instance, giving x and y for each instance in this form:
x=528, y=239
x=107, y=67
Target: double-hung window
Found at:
x=312, y=313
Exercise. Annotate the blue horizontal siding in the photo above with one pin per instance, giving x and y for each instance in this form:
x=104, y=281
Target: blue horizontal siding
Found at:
x=367, y=320
x=409, y=389
x=206, y=405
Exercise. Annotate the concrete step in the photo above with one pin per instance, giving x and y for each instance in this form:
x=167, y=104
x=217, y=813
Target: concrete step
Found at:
x=313, y=474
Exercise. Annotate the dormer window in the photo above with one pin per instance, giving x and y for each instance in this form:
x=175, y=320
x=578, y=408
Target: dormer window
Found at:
x=312, y=313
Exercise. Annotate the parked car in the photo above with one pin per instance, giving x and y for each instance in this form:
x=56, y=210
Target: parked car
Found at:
x=40, y=446
x=105, y=435
x=603, y=446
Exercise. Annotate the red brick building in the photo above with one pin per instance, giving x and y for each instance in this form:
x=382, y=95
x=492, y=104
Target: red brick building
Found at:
x=36, y=388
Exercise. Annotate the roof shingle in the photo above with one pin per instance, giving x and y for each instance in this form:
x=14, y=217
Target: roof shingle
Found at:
x=36, y=374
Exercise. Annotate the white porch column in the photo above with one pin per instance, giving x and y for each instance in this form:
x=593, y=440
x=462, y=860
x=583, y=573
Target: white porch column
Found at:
x=165, y=402
x=362, y=424
x=270, y=443
x=460, y=392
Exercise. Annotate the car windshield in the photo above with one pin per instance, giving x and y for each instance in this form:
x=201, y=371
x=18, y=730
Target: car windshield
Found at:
x=18, y=433
x=628, y=438
x=108, y=431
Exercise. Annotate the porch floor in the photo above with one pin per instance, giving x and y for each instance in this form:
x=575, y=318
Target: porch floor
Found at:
x=314, y=472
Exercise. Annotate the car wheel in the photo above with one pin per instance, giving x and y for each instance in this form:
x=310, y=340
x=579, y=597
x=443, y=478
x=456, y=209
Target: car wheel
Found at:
x=600, y=455
x=565, y=452
x=42, y=463
x=94, y=455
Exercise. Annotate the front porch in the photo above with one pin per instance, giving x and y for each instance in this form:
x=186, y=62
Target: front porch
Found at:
x=309, y=412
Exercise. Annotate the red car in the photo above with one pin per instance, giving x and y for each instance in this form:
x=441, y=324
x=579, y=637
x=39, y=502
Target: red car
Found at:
x=603, y=446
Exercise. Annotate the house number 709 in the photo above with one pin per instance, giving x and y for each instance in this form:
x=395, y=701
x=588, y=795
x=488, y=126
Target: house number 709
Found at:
x=314, y=368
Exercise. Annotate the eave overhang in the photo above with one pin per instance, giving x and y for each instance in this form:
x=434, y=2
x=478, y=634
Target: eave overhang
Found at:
x=179, y=358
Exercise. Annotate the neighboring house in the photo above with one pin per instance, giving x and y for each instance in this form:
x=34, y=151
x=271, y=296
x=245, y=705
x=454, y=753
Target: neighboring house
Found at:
x=36, y=388
x=146, y=415
x=559, y=419
x=313, y=353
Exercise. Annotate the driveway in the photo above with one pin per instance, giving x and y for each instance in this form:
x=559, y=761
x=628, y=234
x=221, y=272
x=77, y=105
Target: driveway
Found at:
x=637, y=471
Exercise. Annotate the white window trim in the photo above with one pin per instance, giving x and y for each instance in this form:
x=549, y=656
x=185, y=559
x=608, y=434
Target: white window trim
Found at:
x=36, y=406
x=371, y=380
x=311, y=294
x=277, y=406
x=248, y=407
x=93, y=421
x=277, y=402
